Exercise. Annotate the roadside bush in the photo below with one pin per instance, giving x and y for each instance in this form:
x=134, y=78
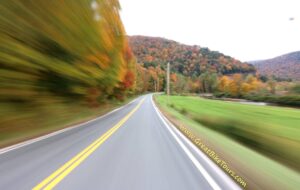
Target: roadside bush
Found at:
x=183, y=111
x=220, y=94
x=296, y=89
x=171, y=105
x=234, y=129
x=290, y=100
x=259, y=138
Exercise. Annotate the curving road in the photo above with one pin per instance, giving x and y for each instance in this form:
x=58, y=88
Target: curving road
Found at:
x=131, y=148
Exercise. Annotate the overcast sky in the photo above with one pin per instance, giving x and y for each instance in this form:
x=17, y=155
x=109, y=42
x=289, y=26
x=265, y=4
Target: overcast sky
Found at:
x=244, y=29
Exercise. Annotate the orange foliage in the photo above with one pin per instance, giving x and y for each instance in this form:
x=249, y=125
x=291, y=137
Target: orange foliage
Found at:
x=185, y=60
x=173, y=77
x=128, y=80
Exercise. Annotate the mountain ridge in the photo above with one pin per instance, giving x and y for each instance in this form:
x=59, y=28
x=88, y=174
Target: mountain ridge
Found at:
x=189, y=60
x=286, y=66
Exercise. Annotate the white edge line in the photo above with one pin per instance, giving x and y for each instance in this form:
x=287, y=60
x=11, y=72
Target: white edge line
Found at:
x=212, y=165
x=28, y=142
x=202, y=170
x=205, y=174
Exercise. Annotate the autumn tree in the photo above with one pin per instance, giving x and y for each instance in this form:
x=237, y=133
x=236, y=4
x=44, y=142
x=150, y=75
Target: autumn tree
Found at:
x=235, y=85
x=180, y=84
x=149, y=78
x=223, y=84
x=208, y=82
x=272, y=86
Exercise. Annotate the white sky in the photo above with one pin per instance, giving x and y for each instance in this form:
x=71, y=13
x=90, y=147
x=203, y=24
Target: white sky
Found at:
x=244, y=29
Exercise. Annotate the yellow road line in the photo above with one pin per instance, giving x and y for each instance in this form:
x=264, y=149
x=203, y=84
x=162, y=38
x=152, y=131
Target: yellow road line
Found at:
x=69, y=166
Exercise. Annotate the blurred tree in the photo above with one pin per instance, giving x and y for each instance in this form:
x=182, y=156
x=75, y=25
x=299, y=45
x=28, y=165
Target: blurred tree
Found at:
x=76, y=50
x=272, y=86
x=208, y=82
x=224, y=84
x=235, y=85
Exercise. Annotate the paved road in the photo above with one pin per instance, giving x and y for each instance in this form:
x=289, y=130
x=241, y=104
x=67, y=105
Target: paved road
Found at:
x=132, y=148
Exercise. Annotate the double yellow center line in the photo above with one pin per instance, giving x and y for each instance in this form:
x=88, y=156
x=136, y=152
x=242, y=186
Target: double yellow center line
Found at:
x=51, y=181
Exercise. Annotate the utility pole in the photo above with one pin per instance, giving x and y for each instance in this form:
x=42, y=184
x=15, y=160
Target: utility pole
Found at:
x=168, y=79
x=157, y=83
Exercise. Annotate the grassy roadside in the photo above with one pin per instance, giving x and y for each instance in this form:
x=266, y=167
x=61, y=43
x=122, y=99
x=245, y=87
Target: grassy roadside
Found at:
x=20, y=123
x=258, y=170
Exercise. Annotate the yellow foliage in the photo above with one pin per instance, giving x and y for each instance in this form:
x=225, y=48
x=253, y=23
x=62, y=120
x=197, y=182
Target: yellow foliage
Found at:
x=63, y=48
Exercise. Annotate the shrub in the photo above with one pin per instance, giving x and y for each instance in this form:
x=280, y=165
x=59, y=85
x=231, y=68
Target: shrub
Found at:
x=290, y=100
x=234, y=129
x=171, y=105
x=183, y=111
x=254, y=136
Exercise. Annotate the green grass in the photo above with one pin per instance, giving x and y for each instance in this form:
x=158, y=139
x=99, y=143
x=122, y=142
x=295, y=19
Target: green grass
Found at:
x=19, y=122
x=275, y=129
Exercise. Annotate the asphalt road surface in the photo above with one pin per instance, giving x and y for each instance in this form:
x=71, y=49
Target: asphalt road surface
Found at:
x=132, y=148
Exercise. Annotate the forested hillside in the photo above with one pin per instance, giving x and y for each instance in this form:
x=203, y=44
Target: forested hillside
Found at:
x=199, y=70
x=285, y=67
x=184, y=59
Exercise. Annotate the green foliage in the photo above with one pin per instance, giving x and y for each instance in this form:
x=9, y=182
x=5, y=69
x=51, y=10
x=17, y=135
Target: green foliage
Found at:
x=263, y=78
x=171, y=105
x=296, y=89
x=288, y=100
x=150, y=64
x=209, y=82
x=183, y=111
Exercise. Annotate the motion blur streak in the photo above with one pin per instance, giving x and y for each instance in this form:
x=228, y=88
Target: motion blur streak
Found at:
x=55, y=52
